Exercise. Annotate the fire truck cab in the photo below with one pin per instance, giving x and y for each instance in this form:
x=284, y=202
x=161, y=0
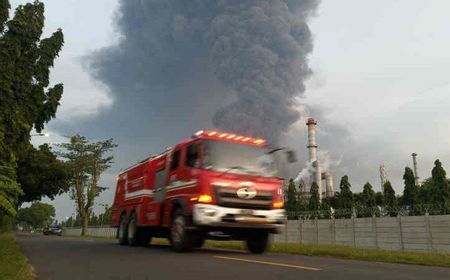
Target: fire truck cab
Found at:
x=214, y=185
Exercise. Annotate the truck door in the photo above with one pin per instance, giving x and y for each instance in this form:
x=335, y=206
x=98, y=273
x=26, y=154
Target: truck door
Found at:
x=160, y=186
x=174, y=166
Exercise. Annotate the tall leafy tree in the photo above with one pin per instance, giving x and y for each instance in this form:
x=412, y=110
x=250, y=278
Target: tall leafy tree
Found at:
x=291, y=199
x=314, y=199
x=40, y=173
x=390, y=201
x=86, y=161
x=411, y=191
x=346, y=195
x=9, y=194
x=302, y=200
x=37, y=215
x=441, y=191
x=27, y=100
x=425, y=191
x=368, y=196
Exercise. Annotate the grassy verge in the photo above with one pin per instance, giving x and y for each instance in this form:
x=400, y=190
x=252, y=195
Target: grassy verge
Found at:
x=336, y=251
x=13, y=264
x=343, y=252
x=348, y=253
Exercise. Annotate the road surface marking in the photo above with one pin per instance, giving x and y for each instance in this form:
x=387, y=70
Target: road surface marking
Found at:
x=269, y=263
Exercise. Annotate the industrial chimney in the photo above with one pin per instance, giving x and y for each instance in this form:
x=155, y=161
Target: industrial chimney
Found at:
x=416, y=174
x=312, y=148
x=312, y=140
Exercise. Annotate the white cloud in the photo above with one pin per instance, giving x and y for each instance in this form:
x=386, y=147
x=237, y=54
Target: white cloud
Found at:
x=83, y=96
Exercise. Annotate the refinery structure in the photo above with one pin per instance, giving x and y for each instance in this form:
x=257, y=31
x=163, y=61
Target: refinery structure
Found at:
x=323, y=179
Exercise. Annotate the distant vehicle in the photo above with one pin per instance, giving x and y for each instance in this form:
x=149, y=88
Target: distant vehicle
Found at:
x=214, y=185
x=52, y=230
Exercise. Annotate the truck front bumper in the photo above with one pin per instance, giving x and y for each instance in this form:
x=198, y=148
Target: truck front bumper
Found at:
x=223, y=217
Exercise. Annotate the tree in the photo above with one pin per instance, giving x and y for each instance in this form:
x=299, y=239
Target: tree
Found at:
x=291, y=199
x=105, y=217
x=26, y=100
x=368, y=196
x=314, y=199
x=425, y=191
x=9, y=191
x=86, y=162
x=440, y=192
x=302, y=200
x=411, y=191
x=346, y=195
x=37, y=215
x=390, y=201
x=40, y=173
x=379, y=198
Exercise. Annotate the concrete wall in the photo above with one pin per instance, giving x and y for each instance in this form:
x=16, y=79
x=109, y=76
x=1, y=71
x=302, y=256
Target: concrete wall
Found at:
x=412, y=234
x=92, y=231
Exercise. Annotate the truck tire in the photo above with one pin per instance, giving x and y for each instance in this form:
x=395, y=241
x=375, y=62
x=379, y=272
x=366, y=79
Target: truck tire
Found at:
x=257, y=242
x=122, y=230
x=179, y=236
x=133, y=232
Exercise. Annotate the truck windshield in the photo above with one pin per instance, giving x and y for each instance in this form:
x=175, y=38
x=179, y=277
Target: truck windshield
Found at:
x=236, y=158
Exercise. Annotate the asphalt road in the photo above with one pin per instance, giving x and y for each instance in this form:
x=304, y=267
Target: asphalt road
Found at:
x=55, y=257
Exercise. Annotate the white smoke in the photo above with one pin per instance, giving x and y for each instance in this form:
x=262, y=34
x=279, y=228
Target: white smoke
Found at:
x=326, y=163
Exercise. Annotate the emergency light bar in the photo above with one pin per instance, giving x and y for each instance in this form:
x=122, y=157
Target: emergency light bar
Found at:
x=212, y=134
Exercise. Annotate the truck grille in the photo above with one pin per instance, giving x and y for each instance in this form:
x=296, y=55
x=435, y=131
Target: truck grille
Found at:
x=228, y=197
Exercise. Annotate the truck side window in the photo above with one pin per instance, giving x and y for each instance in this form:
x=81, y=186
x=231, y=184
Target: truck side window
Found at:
x=175, y=160
x=191, y=155
x=160, y=178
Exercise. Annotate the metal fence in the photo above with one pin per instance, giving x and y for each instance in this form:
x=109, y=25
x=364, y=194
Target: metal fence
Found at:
x=97, y=231
x=366, y=212
x=425, y=233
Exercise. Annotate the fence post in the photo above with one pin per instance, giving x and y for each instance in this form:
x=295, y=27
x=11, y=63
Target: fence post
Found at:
x=334, y=230
x=429, y=235
x=317, y=230
x=354, y=231
x=375, y=229
x=286, y=232
x=301, y=228
x=399, y=219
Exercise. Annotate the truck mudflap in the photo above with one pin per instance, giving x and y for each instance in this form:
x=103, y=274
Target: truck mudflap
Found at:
x=218, y=216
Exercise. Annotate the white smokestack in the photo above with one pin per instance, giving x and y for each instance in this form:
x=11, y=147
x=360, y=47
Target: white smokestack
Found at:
x=416, y=174
x=312, y=140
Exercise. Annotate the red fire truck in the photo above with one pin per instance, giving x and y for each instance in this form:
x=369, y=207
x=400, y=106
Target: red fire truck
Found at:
x=214, y=185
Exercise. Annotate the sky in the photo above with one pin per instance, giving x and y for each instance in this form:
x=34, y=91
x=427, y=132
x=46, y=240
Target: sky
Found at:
x=380, y=90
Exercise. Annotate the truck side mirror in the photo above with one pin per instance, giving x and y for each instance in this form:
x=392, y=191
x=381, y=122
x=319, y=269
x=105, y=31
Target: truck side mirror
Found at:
x=291, y=156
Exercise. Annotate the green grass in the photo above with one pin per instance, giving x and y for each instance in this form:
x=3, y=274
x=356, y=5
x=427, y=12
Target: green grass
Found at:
x=13, y=264
x=336, y=251
x=343, y=252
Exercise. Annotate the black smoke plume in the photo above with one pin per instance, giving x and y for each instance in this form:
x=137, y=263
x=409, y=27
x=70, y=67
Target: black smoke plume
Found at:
x=240, y=63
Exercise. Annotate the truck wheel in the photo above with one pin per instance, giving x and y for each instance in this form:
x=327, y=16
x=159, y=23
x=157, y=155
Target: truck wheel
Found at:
x=122, y=230
x=133, y=231
x=179, y=236
x=258, y=242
